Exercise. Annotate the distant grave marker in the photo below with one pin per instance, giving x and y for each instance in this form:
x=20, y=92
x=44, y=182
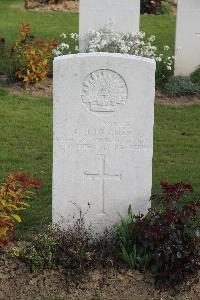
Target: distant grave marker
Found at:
x=120, y=15
x=187, y=56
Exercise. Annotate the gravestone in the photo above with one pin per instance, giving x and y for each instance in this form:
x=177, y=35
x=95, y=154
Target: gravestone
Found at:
x=120, y=15
x=103, y=137
x=187, y=56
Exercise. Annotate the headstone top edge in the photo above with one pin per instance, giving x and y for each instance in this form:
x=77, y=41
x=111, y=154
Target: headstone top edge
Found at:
x=105, y=54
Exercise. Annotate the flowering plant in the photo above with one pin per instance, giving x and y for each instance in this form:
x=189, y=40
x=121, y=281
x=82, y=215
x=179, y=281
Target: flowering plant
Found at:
x=64, y=47
x=106, y=40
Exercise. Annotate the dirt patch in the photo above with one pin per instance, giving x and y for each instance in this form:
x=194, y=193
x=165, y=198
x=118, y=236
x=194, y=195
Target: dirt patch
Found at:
x=184, y=100
x=174, y=8
x=67, y=5
x=16, y=282
x=45, y=88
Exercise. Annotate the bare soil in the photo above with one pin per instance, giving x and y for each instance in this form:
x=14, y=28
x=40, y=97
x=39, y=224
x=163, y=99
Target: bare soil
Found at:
x=45, y=88
x=16, y=282
x=67, y=5
x=183, y=100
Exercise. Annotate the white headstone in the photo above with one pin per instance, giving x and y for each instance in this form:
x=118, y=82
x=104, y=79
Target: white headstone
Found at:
x=103, y=136
x=120, y=15
x=187, y=57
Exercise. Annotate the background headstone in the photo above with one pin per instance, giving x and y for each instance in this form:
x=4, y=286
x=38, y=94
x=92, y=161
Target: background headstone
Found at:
x=120, y=15
x=103, y=136
x=187, y=56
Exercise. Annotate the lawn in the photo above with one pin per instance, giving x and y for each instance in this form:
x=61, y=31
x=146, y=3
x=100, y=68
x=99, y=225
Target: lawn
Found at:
x=26, y=142
x=49, y=24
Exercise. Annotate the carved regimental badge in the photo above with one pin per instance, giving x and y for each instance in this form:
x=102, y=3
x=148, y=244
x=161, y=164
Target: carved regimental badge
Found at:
x=104, y=91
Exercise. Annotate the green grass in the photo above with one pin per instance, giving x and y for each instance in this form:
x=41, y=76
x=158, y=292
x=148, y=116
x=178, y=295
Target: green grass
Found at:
x=26, y=142
x=49, y=24
x=44, y=24
x=176, y=145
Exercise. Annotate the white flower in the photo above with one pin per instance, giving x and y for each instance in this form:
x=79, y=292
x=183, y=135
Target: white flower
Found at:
x=152, y=38
x=166, y=48
x=74, y=36
x=56, y=52
x=158, y=59
x=64, y=46
x=63, y=35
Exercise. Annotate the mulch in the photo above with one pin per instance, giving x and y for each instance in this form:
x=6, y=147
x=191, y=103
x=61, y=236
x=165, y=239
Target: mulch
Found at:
x=67, y=5
x=17, y=282
x=45, y=88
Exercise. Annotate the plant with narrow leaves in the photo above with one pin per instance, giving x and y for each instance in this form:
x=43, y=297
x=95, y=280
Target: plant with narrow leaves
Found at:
x=195, y=76
x=130, y=251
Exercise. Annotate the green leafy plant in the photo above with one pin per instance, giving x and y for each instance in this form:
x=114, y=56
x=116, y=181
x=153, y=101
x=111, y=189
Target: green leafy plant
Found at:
x=8, y=63
x=71, y=248
x=165, y=8
x=14, y=194
x=181, y=86
x=195, y=76
x=40, y=254
x=135, y=256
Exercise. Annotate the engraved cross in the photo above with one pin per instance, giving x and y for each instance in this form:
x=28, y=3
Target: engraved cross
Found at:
x=102, y=175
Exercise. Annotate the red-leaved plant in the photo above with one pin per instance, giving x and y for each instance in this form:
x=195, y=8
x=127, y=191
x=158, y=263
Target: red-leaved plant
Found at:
x=33, y=56
x=150, y=6
x=14, y=194
x=168, y=235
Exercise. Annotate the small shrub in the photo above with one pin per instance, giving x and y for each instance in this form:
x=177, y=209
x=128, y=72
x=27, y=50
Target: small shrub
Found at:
x=64, y=47
x=149, y=6
x=33, y=56
x=40, y=254
x=75, y=249
x=195, y=76
x=165, y=9
x=166, y=239
x=14, y=194
x=181, y=86
x=106, y=40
